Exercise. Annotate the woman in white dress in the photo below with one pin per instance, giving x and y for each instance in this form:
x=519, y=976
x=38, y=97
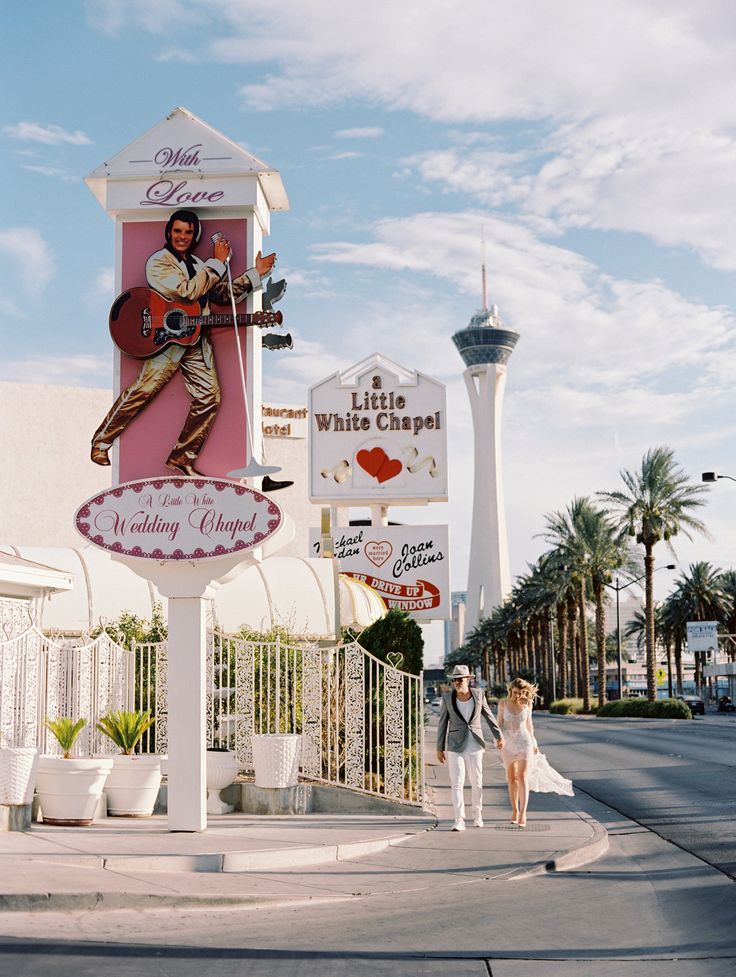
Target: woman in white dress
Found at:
x=519, y=744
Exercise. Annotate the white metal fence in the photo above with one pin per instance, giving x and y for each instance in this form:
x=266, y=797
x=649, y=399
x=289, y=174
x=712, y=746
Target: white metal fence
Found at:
x=361, y=720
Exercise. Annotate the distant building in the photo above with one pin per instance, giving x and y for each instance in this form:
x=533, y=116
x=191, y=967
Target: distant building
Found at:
x=455, y=627
x=485, y=346
x=630, y=606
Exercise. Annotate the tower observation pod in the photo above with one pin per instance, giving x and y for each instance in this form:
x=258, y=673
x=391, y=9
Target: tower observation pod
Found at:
x=485, y=346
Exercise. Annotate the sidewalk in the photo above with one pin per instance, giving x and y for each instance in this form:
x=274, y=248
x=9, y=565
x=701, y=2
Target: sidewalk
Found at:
x=243, y=860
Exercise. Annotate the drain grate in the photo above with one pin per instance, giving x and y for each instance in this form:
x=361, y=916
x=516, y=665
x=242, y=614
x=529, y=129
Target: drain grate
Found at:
x=529, y=827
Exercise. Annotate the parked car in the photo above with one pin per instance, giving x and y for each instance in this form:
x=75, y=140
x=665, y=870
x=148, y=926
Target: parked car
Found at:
x=695, y=702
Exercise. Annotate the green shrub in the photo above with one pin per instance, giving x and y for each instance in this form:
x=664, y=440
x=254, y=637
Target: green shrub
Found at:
x=640, y=707
x=566, y=707
x=672, y=709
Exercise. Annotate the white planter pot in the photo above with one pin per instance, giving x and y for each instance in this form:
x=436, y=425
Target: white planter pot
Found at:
x=70, y=790
x=276, y=759
x=17, y=774
x=132, y=787
x=222, y=769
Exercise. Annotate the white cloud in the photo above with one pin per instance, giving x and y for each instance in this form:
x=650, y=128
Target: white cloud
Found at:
x=51, y=171
x=346, y=155
x=50, y=135
x=164, y=17
x=79, y=370
x=177, y=54
x=668, y=184
x=585, y=337
x=362, y=132
x=101, y=291
x=30, y=260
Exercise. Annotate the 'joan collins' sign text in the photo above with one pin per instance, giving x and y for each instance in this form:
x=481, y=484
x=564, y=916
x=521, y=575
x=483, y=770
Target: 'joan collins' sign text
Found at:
x=179, y=518
x=407, y=565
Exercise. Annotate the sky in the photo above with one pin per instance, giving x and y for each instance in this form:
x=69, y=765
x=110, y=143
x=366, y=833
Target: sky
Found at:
x=591, y=145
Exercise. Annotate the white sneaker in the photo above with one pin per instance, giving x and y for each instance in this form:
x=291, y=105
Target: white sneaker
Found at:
x=458, y=826
x=478, y=823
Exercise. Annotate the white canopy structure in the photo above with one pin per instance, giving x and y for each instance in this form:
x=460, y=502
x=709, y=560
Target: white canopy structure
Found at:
x=300, y=594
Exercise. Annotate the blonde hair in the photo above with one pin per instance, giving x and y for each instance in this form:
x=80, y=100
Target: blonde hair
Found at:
x=526, y=690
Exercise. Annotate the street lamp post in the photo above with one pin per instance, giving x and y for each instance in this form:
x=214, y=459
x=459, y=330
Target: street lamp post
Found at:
x=618, y=587
x=714, y=476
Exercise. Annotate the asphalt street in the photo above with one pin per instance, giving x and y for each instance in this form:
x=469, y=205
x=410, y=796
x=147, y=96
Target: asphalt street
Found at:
x=647, y=908
x=677, y=778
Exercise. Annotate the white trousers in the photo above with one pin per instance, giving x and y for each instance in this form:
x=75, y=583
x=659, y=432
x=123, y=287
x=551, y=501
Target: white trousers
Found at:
x=457, y=766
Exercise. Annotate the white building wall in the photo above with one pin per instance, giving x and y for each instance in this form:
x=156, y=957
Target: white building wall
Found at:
x=45, y=438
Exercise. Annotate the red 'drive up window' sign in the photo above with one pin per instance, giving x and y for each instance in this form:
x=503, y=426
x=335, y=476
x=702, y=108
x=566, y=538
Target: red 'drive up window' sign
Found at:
x=179, y=518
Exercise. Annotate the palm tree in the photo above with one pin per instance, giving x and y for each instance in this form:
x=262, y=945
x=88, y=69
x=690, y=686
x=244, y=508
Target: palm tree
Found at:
x=656, y=504
x=701, y=596
x=588, y=542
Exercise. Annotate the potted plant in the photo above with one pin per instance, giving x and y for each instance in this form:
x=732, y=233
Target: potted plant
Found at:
x=222, y=769
x=69, y=788
x=17, y=773
x=133, y=784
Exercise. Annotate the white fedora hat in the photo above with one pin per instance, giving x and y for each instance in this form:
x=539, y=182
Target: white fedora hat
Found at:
x=460, y=671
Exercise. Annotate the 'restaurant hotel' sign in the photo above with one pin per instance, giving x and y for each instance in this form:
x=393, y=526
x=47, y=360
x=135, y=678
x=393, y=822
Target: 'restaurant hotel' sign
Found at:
x=179, y=518
x=378, y=434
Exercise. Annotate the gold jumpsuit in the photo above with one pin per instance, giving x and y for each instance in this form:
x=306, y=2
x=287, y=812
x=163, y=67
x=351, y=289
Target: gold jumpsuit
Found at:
x=169, y=276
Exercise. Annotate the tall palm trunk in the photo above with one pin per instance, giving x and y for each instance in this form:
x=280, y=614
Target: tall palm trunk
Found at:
x=562, y=648
x=600, y=640
x=549, y=656
x=668, y=649
x=572, y=621
x=649, y=617
x=678, y=659
x=585, y=662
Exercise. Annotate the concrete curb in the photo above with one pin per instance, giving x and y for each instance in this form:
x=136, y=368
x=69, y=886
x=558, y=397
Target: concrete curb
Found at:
x=87, y=901
x=564, y=861
x=272, y=859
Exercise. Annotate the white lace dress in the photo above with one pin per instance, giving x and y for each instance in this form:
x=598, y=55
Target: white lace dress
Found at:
x=518, y=741
x=518, y=744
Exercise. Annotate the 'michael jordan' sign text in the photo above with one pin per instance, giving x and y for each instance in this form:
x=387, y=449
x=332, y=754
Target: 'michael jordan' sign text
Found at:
x=178, y=518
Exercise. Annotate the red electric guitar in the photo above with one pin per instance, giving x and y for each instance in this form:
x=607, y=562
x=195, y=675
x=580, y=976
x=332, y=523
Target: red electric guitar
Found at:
x=142, y=322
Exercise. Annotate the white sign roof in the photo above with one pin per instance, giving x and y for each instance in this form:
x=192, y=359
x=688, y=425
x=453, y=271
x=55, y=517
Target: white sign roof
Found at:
x=184, y=147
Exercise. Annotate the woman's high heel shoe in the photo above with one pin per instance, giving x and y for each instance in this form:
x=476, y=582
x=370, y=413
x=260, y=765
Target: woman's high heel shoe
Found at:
x=522, y=824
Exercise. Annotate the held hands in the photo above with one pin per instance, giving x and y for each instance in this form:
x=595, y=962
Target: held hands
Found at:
x=441, y=756
x=499, y=744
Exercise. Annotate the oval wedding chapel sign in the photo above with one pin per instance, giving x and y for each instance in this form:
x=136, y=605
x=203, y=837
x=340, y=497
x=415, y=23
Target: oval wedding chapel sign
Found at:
x=179, y=518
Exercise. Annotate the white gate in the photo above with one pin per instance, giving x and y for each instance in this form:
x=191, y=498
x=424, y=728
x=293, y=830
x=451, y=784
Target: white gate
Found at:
x=361, y=720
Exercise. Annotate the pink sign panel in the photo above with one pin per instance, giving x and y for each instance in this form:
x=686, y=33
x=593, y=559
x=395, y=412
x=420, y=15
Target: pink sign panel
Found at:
x=145, y=444
x=179, y=519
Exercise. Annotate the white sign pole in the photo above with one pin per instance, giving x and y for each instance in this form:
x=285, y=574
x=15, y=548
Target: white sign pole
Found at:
x=187, y=768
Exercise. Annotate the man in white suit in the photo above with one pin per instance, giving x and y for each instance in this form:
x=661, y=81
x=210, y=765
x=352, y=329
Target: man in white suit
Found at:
x=178, y=274
x=460, y=740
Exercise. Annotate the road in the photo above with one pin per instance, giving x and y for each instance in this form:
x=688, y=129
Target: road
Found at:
x=677, y=778
x=645, y=909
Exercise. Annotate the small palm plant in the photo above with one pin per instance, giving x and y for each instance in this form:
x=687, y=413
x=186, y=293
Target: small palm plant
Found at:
x=66, y=732
x=125, y=728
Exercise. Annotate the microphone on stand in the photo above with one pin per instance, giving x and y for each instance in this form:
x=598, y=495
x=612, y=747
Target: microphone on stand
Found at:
x=217, y=236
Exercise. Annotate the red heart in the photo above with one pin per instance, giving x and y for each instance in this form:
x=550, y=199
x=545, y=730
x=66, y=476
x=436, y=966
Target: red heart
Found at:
x=389, y=469
x=372, y=461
